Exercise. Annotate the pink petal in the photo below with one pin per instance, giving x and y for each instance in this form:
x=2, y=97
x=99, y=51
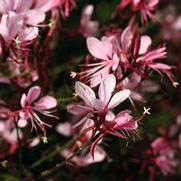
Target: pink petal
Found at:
x=6, y=6
x=119, y=98
x=126, y=39
x=3, y=27
x=28, y=34
x=96, y=48
x=124, y=120
x=33, y=94
x=45, y=103
x=46, y=5
x=15, y=23
x=85, y=92
x=99, y=105
x=64, y=128
x=10, y=26
x=144, y=45
x=23, y=100
x=99, y=76
x=107, y=45
x=34, y=17
x=106, y=88
x=115, y=62
x=160, y=66
x=22, y=5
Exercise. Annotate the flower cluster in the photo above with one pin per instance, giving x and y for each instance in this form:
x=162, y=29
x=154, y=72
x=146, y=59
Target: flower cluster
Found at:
x=114, y=82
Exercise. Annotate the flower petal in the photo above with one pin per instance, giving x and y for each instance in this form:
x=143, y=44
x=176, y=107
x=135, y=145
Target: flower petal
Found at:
x=33, y=94
x=64, y=128
x=34, y=17
x=126, y=39
x=45, y=103
x=23, y=100
x=22, y=6
x=96, y=48
x=144, y=44
x=28, y=34
x=6, y=6
x=106, y=88
x=85, y=92
x=119, y=98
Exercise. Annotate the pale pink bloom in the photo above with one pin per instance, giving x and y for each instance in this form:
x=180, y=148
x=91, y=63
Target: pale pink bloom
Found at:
x=31, y=106
x=164, y=156
x=102, y=105
x=107, y=123
x=33, y=11
x=88, y=27
x=12, y=30
x=105, y=101
x=109, y=60
x=10, y=26
x=146, y=7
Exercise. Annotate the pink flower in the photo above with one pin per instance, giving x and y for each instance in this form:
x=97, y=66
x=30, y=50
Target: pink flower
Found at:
x=98, y=111
x=105, y=101
x=33, y=11
x=104, y=51
x=146, y=7
x=87, y=26
x=31, y=106
x=150, y=58
x=10, y=26
x=12, y=30
x=143, y=57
